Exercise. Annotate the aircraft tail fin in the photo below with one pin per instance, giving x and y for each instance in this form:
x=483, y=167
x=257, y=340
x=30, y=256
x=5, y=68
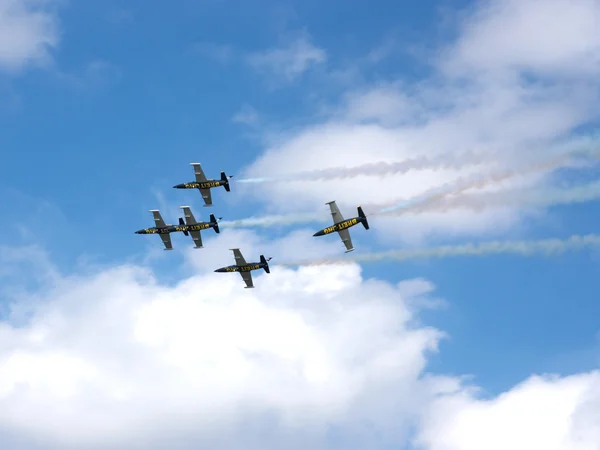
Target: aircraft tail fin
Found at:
x=363, y=218
x=266, y=263
x=181, y=222
x=225, y=178
x=215, y=225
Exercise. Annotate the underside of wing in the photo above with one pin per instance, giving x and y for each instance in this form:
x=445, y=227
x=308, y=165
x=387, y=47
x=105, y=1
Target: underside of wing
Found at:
x=158, y=220
x=346, y=239
x=239, y=258
x=206, y=196
x=198, y=172
x=197, y=238
x=335, y=212
x=166, y=238
x=189, y=217
x=247, y=276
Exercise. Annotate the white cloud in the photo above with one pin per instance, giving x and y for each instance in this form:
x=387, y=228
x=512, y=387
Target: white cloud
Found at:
x=119, y=358
x=497, y=112
x=289, y=61
x=548, y=37
x=28, y=30
x=542, y=413
x=123, y=362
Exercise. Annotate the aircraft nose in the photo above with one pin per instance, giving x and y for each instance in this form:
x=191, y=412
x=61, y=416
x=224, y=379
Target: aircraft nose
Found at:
x=220, y=270
x=179, y=186
x=139, y=231
x=319, y=233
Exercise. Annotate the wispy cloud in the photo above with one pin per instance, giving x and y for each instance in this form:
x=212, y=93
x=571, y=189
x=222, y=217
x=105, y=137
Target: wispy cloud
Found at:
x=246, y=115
x=221, y=53
x=97, y=73
x=289, y=61
x=120, y=16
x=28, y=32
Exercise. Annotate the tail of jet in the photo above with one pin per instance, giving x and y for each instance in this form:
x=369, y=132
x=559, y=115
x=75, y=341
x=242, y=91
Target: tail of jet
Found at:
x=181, y=222
x=225, y=178
x=363, y=218
x=214, y=223
x=266, y=263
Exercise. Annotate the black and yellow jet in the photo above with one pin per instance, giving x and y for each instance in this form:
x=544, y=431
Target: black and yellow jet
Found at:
x=193, y=226
x=165, y=229
x=204, y=185
x=341, y=225
x=245, y=268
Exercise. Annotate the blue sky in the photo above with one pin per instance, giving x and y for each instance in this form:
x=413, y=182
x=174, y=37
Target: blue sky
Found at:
x=96, y=134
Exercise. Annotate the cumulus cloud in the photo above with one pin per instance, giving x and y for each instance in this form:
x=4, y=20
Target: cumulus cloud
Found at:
x=317, y=357
x=123, y=361
x=28, y=30
x=543, y=412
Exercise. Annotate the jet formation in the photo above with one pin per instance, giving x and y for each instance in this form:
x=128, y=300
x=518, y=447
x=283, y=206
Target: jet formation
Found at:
x=191, y=227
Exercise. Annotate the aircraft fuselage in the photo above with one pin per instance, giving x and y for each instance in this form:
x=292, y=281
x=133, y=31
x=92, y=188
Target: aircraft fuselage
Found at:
x=208, y=184
x=348, y=223
x=244, y=268
x=175, y=228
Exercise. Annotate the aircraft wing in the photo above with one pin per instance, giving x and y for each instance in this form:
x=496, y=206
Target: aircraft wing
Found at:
x=206, y=196
x=346, y=239
x=158, y=220
x=197, y=238
x=247, y=277
x=200, y=177
x=166, y=238
x=189, y=217
x=239, y=258
x=335, y=212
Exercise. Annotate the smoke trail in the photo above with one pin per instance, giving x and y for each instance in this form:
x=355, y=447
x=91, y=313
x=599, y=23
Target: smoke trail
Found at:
x=445, y=161
x=478, y=181
x=524, y=248
x=270, y=221
x=543, y=197
x=429, y=199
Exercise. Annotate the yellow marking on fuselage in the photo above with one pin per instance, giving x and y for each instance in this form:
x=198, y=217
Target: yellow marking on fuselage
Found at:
x=210, y=184
x=151, y=230
x=198, y=226
x=340, y=226
x=346, y=224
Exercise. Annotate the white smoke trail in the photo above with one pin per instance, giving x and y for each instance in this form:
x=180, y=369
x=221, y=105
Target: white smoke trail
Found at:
x=542, y=197
x=445, y=161
x=479, y=181
x=271, y=221
x=585, y=147
x=428, y=199
x=524, y=248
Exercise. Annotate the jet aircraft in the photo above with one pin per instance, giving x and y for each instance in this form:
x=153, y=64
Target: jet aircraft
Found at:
x=193, y=226
x=204, y=185
x=341, y=225
x=163, y=229
x=245, y=268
